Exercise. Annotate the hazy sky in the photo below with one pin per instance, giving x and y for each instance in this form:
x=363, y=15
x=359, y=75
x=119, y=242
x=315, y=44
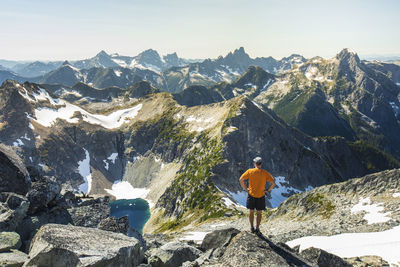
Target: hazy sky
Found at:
x=58, y=29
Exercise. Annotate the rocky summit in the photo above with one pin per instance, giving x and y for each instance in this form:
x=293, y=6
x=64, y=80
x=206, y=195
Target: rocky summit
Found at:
x=179, y=133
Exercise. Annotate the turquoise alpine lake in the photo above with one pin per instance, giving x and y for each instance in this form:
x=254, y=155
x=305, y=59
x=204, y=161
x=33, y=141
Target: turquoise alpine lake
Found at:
x=137, y=210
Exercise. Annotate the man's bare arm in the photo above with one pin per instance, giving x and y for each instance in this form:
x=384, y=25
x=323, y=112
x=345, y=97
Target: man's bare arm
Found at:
x=271, y=186
x=243, y=184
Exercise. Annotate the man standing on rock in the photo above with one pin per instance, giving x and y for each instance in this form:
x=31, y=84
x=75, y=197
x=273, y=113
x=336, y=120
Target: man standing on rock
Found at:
x=257, y=178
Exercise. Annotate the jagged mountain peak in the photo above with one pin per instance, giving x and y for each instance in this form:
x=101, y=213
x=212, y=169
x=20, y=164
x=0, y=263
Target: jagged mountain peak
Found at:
x=348, y=55
x=102, y=53
x=238, y=54
x=66, y=63
x=149, y=52
x=255, y=76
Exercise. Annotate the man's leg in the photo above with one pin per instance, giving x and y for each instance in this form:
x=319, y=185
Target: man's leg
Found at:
x=251, y=218
x=258, y=220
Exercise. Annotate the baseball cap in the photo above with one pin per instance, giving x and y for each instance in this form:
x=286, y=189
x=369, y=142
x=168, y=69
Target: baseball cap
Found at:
x=257, y=160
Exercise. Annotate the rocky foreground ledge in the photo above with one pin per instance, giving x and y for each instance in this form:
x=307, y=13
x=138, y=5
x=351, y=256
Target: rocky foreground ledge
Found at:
x=67, y=245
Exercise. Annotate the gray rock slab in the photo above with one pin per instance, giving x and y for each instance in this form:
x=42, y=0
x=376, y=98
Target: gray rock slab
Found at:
x=67, y=245
x=174, y=254
x=9, y=240
x=13, y=258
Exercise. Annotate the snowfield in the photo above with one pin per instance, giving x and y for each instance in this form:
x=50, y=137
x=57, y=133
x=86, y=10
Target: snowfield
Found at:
x=65, y=110
x=124, y=190
x=84, y=171
x=385, y=244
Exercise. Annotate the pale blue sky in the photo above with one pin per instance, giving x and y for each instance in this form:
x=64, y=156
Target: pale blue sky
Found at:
x=58, y=29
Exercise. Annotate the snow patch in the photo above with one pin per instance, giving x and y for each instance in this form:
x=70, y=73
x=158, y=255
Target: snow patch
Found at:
x=18, y=143
x=281, y=191
x=47, y=116
x=267, y=84
x=112, y=157
x=373, y=211
x=84, y=171
x=31, y=126
x=124, y=190
x=396, y=194
x=197, y=237
x=385, y=244
x=120, y=62
x=395, y=108
x=228, y=202
x=118, y=73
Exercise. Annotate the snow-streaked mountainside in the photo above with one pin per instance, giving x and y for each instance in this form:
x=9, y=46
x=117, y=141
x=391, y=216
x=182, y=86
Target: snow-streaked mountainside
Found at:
x=156, y=139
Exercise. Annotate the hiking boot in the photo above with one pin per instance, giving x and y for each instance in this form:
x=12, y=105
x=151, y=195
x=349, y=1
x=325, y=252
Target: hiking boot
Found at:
x=252, y=230
x=257, y=232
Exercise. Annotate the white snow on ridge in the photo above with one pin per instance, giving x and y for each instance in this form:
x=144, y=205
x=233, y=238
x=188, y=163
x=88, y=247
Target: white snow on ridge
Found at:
x=120, y=62
x=47, y=116
x=373, y=211
x=385, y=244
x=84, y=171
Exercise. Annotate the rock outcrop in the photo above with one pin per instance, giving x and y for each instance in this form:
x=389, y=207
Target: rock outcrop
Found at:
x=9, y=240
x=13, y=209
x=246, y=249
x=322, y=258
x=66, y=245
x=90, y=212
x=13, y=258
x=173, y=254
x=13, y=174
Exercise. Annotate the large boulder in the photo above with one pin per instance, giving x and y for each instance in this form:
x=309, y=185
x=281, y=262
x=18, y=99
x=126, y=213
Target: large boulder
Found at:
x=90, y=212
x=67, y=245
x=173, y=254
x=13, y=258
x=9, y=240
x=43, y=195
x=13, y=175
x=218, y=238
x=247, y=249
x=323, y=258
x=367, y=261
x=13, y=209
x=121, y=225
x=31, y=224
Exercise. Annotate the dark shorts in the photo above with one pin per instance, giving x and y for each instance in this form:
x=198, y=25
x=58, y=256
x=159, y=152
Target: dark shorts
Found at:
x=255, y=203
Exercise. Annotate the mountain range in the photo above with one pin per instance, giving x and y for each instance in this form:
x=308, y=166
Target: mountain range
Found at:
x=180, y=133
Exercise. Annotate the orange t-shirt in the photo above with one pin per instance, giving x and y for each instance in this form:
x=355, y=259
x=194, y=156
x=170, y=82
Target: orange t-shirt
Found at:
x=257, y=180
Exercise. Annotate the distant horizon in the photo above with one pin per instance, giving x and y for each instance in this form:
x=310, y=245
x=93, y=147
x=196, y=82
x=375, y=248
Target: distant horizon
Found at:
x=362, y=56
x=57, y=30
